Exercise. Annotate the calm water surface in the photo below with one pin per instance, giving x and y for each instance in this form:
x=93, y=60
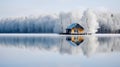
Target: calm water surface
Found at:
x=60, y=51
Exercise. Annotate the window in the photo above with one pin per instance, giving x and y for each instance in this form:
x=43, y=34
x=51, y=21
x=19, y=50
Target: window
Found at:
x=76, y=31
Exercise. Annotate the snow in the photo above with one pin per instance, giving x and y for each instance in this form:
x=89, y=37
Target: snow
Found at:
x=93, y=21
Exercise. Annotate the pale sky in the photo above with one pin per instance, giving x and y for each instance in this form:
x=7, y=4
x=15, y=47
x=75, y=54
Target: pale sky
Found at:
x=10, y=8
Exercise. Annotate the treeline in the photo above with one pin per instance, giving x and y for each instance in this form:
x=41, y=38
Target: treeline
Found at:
x=44, y=24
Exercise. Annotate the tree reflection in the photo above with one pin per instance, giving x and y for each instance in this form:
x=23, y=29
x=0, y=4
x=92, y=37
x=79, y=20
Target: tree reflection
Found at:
x=87, y=45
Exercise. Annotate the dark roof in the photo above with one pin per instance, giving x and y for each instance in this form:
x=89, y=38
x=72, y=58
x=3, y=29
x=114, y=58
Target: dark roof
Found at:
x=74, y=25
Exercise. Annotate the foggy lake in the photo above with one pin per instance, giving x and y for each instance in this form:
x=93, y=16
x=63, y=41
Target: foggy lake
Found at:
x=59, y=33
x=59, y=51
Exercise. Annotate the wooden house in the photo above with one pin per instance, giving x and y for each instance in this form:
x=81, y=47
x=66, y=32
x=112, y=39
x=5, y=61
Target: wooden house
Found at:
x=74, y=28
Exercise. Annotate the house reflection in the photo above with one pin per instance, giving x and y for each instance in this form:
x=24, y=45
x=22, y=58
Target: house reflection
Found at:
x=87, y=45
x=75, y=40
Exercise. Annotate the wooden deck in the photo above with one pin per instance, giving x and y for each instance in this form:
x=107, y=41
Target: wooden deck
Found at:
x=76, y=34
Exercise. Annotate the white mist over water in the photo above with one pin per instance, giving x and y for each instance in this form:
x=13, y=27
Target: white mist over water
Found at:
x=89, y=47
x=92, y=20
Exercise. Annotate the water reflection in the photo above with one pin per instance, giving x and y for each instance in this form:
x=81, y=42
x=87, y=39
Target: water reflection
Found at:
x=86, y=45
x=75, y=40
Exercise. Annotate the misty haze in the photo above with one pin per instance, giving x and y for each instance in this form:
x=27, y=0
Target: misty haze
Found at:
x=59, y=33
